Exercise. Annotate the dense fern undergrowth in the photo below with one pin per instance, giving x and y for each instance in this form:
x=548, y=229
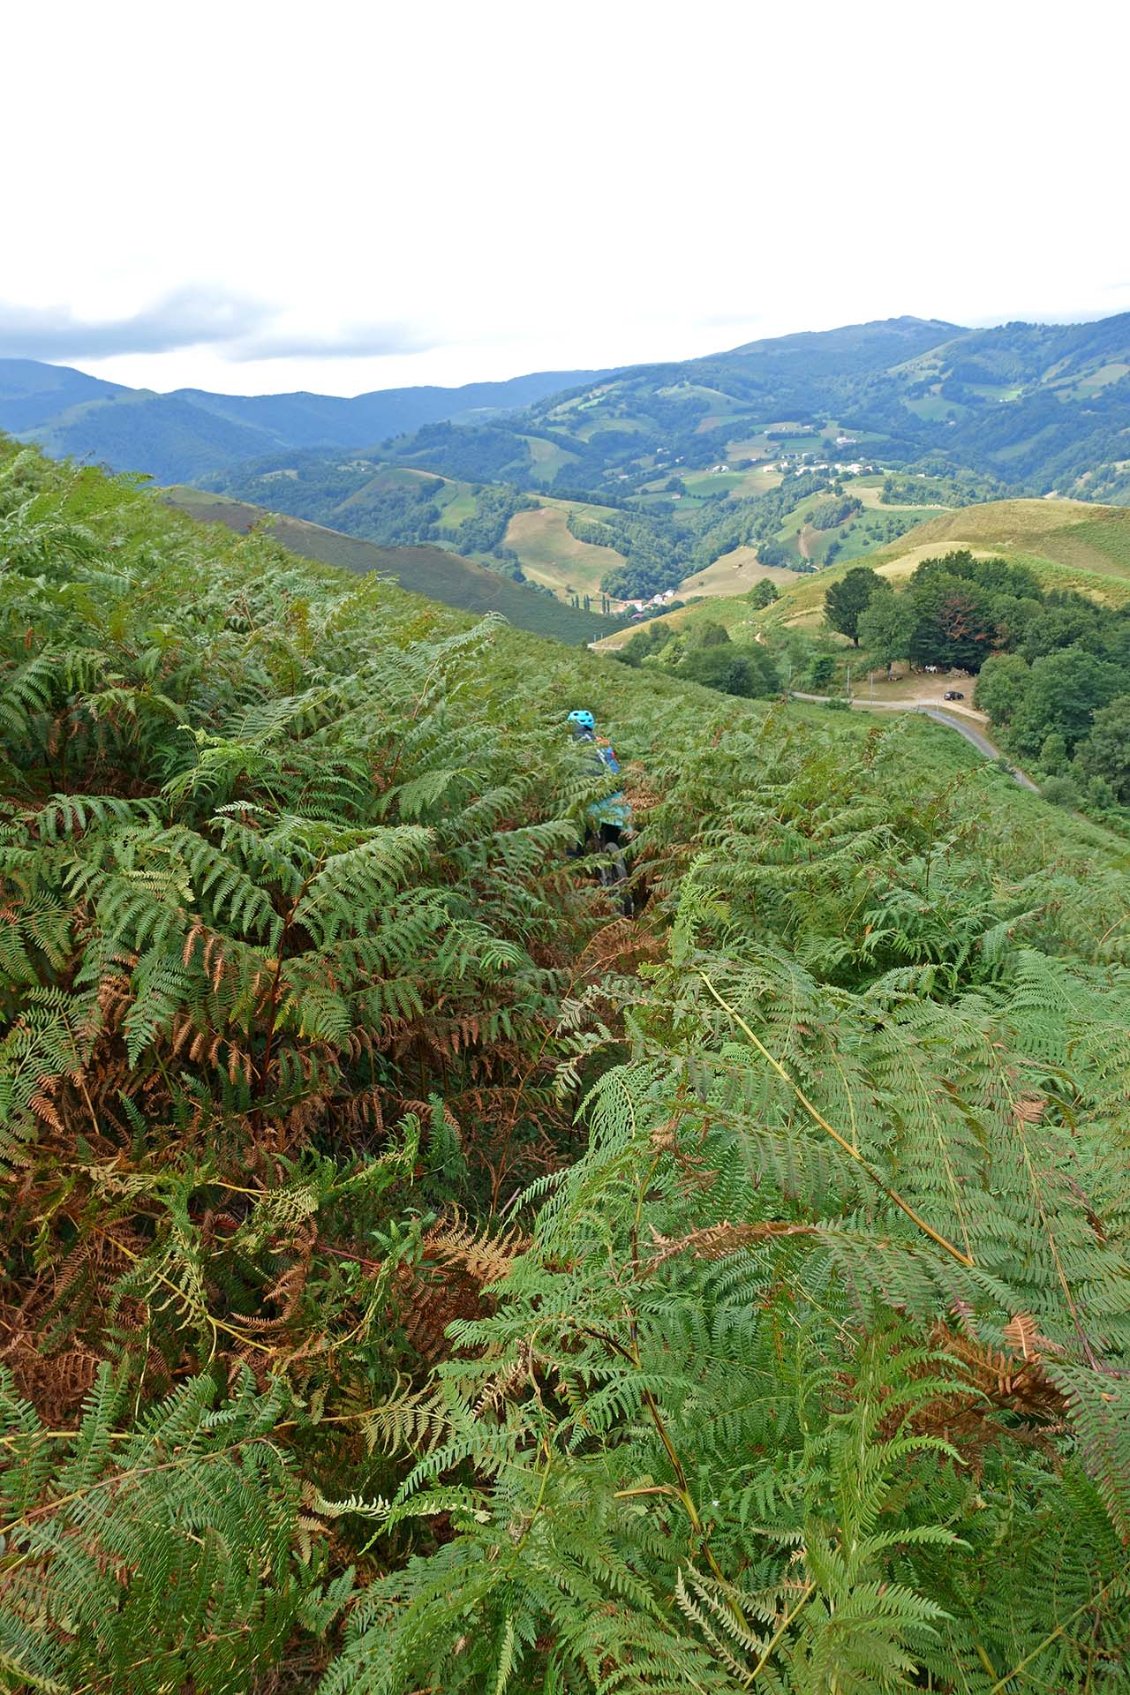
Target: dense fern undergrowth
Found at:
x=419, y=1277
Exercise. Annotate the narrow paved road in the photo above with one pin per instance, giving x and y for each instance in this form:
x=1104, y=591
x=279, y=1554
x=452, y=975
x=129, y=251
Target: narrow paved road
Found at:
x=980, y=742
x=950, y=719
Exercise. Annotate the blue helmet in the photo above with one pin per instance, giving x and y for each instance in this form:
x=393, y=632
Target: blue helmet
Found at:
x=584, y=720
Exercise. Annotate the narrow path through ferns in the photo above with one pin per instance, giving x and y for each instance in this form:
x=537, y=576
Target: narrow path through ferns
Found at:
x=417, y=1277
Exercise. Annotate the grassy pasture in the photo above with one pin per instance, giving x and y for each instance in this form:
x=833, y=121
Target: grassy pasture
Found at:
x=751, y=447
x=933, y=409
x=709, y=482
x=736, y=573
x=551, y=555
x=1075, y=535
x=870, y=490
x=459, y=505
x=1068, y=544
x=547, y=456
x=757, y=481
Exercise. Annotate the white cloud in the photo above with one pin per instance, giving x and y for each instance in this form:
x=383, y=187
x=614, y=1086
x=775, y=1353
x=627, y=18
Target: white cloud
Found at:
x=380, y=195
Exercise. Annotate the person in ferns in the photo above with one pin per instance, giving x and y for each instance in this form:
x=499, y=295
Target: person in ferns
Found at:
x=608, y=817
x=612, y=814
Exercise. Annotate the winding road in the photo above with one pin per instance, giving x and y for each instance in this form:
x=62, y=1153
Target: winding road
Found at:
x=940, y=716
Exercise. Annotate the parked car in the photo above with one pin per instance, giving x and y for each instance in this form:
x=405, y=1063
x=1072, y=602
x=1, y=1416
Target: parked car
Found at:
x=953, y=694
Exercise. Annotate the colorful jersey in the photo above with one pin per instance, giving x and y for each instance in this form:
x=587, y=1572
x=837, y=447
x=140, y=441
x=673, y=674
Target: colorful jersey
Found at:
x=613, y=809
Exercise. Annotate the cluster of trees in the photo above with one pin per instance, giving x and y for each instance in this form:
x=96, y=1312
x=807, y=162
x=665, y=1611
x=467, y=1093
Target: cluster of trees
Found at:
x=591, y=530
x=1067, y=714
x=395, y=514
x=478, y=453
x=303, y=485
x=955, y=610
x=705, y=654
x=936, y=486
x=827, y=514
x=1054, y=666
x=777, y=554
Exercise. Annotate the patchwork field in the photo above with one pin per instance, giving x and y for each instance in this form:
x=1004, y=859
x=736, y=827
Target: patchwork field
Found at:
x=427, y=570
x=551, y=555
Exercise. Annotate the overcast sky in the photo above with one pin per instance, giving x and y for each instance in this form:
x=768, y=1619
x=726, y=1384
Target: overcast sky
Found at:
x=256, y=197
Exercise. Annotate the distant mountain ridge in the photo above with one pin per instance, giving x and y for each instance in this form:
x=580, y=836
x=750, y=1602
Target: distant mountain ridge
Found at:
x=854, y=349
x=1031, y=408
x=189, y=433
x=1043, y=407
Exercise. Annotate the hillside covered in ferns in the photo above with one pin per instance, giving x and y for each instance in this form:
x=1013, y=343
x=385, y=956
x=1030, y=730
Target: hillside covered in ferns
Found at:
x=417, y=1276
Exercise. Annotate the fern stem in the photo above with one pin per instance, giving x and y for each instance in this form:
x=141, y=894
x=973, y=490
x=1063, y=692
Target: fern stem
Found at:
x=1002, y=1683
x=771, y=1645
x=1061, y=1274
x=108, y=1483
x=865, y=1165
x=216, y=1323
x=547, y=1448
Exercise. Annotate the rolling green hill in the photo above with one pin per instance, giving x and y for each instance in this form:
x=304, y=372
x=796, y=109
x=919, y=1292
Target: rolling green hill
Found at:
x=1068, y=544
x=191, y=433
x=1073, y=535
x=430, y=571
x=1038, y=407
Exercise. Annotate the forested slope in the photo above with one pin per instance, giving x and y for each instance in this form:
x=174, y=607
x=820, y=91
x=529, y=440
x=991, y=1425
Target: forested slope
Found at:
x=418, y=1277
x=175, y=437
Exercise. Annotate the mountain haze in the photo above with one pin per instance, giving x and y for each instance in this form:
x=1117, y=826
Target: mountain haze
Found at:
x=1041, y=407
x=190, y=433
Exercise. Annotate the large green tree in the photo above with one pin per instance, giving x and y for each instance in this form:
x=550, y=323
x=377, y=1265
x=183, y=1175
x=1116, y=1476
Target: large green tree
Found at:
x=1064, y=692
x=886, y=626
x=955, y=621
x=708, y=634
x=741, y=669
x=1106, y=751
x=845, y=600
x=1001, y=686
